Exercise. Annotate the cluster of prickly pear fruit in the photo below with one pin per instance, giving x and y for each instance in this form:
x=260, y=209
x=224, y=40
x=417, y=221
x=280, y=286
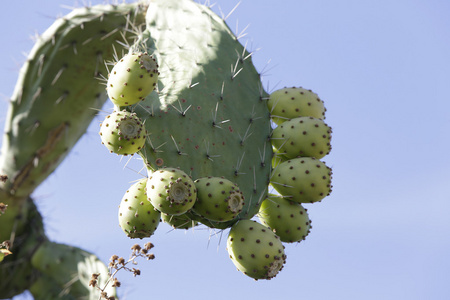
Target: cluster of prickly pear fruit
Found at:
x=211, y=149
x=131, y=79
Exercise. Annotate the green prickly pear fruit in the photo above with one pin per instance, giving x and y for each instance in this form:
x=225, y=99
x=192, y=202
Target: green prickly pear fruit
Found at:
x=302, y=180
x=289, y=220
x=137, y=216
x=132, y=78
x=123, y=133
x=288, y=103
x=302, y=136
x=255, y=250
x=218, y=199
x=179, y=222
x=171, y=191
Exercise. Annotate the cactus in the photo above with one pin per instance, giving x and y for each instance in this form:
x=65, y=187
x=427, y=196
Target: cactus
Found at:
x=289, y=220
x=70, y=268
x=55, y=98
x=205, y=118
x=137, y=216
x=255, y=250
x=188, y=99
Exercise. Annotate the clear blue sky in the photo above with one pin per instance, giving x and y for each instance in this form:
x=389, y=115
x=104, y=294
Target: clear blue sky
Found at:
x=383, y=69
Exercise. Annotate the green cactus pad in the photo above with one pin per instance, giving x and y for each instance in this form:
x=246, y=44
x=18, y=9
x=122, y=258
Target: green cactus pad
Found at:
x=209, y=116
x=132, y=78
x=288, y=103
x=171, y=191
x=302, y=136
x=123, y=133
x=137, y=216
x=255, y=250
x=58, y=93
x=302, y=180
x=289, y=220
x=179, y=222
x=218, y=199
x=71, y=268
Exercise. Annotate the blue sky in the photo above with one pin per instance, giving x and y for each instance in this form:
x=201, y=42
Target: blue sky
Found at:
x=383, y=69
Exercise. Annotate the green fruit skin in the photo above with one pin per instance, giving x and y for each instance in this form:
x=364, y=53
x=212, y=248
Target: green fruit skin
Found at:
x=132, y=78
x=302, y=136
x=171, y=191
x=302, y=180
x=218, y=199
x=123, y=133
x=255, y=250
x=289, y=220
x=287, y=103
x=137, y=216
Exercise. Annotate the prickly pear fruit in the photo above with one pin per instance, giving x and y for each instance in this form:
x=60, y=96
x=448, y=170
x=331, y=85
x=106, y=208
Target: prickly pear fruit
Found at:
x=137, y=216
x=288, y=103
x=302, y=180
x=179, y=222
x=171, y=191
x=123, y=132
x=302, y=136
x=218, y=199
x=255, y=250
x=288, y=219
x=132, y=78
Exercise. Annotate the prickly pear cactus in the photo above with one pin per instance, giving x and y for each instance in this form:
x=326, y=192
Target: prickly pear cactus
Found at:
x=69, y=269
x=55, y=98
x=210, y=120
x=208, y=116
